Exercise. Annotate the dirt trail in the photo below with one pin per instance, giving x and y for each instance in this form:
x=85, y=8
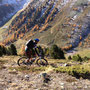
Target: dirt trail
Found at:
x=16, y=80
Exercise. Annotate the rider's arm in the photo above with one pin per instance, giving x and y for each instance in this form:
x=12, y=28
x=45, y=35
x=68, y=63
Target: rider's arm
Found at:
x=36, y=50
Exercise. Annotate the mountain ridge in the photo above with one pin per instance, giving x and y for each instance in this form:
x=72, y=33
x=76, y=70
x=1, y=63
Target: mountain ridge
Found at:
x=8, y=8
x=54, y=22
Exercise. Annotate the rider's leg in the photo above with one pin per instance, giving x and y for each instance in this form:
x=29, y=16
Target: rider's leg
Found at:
x=28, y=56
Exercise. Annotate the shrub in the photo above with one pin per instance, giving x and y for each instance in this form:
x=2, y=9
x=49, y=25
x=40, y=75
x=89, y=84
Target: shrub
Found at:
x=8, y=51
x=4, y=50
x=86, y=58
x=56, y=52
x=69, y=57
x=13, y=49
x=77, y=71
x=77, y=58
x=1, y=53
x=46, y=51
x=41, y=51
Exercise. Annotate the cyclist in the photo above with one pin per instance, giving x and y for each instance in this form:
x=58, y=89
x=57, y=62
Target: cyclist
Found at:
x=31, y=49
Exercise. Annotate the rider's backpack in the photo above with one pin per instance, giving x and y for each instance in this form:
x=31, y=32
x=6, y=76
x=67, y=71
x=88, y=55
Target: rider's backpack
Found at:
x=30, y=44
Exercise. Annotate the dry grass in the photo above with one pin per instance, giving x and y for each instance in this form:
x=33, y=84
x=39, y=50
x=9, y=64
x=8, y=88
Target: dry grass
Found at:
x=84, y=52
x=2, y=62
x=70, y=80
x=76, y=70
x=57, y=60
x=27, y=69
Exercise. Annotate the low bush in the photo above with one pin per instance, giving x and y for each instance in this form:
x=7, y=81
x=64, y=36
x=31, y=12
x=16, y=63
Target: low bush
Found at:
x=56, y=52
x=13, y=49
x=69, y=57
x=77, y=58
x=77, y=71
x=86, y=58
x=8, y=51
x=46, y=51
x=1, y=53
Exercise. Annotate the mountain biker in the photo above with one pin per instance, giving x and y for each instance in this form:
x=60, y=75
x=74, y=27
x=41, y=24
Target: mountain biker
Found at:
x=31, y=49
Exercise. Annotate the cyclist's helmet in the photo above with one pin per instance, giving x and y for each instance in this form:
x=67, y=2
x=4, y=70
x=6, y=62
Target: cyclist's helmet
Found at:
x=37, y=39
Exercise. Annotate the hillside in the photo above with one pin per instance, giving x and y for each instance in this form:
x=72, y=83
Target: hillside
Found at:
x=8, y=8
x=62, y=22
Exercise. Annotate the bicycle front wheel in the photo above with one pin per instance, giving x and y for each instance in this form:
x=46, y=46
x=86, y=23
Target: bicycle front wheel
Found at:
x=42, y=62
x=21, y=61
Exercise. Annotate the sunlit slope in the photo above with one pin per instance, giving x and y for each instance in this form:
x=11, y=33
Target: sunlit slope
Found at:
x=65, y=23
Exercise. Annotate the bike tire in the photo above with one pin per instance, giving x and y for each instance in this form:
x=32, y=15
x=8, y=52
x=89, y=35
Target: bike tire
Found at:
x=21, y=61
x=42, y=62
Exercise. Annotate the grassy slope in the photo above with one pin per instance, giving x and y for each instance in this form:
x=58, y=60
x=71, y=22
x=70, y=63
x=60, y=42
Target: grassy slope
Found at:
x=57, y=65
x=55, y=34
x=84, y=52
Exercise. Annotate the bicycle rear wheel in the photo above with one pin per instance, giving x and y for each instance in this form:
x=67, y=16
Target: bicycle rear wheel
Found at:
x=22, y=61
x=41, y=62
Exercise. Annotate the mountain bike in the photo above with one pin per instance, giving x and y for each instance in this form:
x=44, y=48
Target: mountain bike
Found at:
x=40, y=61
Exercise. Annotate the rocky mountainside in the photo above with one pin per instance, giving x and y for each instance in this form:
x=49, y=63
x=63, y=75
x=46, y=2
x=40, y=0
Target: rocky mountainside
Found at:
x=9, y=7
x=62, y=22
